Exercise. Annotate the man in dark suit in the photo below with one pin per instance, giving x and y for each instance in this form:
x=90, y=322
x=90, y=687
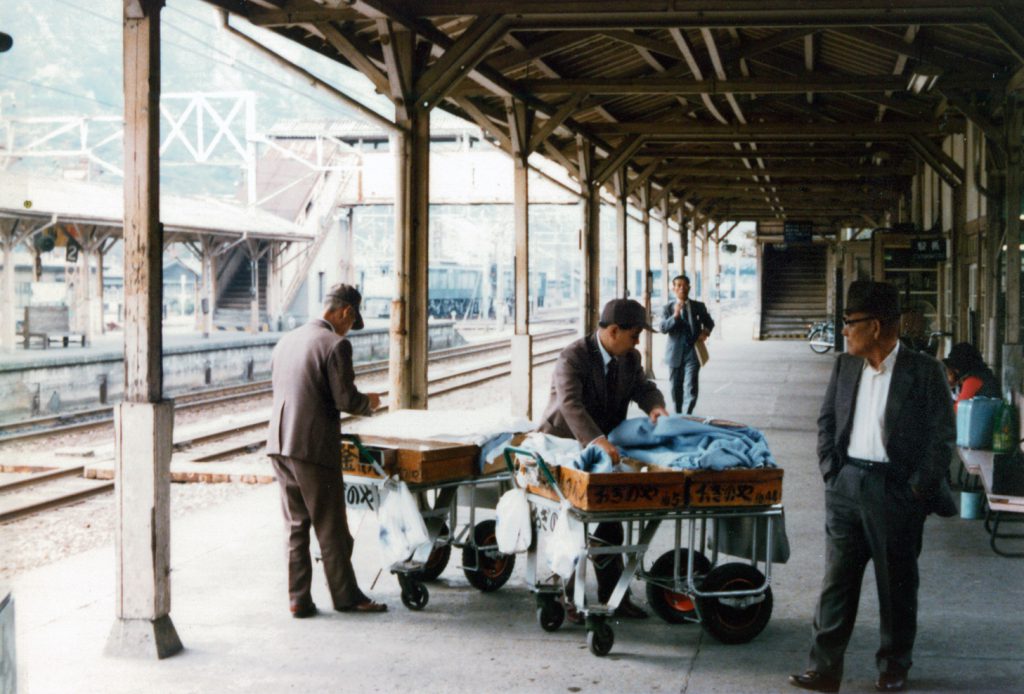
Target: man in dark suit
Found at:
x=686, y=322
x=885, y=436
x=313, y=382
x=595, y=379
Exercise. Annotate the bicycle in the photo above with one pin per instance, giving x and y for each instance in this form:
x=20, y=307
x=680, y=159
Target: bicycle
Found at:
x=822, y=336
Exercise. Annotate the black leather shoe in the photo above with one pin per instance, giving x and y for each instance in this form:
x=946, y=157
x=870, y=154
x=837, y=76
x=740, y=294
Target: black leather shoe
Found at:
x=303, y=611
x=630, y=610
x=891, y=682
x=815, y=682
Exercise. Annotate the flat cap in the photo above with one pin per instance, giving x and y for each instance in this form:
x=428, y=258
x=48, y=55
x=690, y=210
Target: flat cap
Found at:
x=625, y=313
x=880, y=299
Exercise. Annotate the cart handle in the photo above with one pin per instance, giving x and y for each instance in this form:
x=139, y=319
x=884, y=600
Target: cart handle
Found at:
x=509, y=452
x=364, y=453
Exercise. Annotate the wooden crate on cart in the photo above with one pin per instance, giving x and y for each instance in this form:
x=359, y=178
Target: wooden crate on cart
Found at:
x=415, y=462
x=651, y=487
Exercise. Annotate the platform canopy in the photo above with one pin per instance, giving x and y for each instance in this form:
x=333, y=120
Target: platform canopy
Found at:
x=739, y=109
x=102, y=204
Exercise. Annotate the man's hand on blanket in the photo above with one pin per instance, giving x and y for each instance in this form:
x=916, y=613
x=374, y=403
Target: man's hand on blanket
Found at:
x=608, y=448
x=656, y=413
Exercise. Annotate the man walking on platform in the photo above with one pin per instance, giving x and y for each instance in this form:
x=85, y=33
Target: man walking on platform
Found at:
x=313, y=382
x=686, y=323
x=885, y=436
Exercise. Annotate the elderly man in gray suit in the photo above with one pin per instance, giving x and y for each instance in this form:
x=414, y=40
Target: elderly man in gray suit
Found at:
x=595, y=379
x=313, y=382
x=885, y=436
x=686, y=322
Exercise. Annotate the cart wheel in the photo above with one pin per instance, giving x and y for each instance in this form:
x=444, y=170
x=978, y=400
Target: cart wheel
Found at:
x=674, y=608
x=415, y=595
x=550, y=614
x=733, y=620
x=438, y=559
x=600, y=638
x=491, y=569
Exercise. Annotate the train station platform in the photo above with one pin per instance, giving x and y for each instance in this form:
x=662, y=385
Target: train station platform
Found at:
x=229, y=601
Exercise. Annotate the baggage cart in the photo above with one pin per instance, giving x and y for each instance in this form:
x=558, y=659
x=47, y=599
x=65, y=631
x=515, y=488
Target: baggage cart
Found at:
x=732, y=601
x=434, y=472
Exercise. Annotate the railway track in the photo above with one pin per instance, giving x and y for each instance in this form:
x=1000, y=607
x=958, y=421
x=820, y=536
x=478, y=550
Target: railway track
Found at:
x=66, y=485
x=83, y=420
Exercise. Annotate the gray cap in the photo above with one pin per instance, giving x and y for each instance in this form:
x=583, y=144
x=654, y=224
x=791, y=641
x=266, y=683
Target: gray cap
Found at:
x=351, y=296
x=625, y=313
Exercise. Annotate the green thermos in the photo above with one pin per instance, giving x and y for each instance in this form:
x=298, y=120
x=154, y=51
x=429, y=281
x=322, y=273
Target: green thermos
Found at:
x=1004, y=430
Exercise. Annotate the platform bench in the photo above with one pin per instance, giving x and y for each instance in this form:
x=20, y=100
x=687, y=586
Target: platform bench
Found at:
x=49, y=324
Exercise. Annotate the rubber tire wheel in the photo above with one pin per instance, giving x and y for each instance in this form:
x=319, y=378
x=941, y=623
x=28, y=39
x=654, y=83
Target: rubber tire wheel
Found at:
x=731, y=624
x=551, y=615
x=818, y=335
x=437, y=562
x=415, y=595
x=675, y=608
x=493, y=569
x=600, y=639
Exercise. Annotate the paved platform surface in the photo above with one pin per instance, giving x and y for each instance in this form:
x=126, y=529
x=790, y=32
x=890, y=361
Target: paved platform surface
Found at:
x=230, y=605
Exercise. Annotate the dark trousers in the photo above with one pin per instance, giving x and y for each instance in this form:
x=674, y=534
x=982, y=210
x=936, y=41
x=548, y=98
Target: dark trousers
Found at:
x=315, y=495
x=686, y=383
x=607, y=567
x=869, y=516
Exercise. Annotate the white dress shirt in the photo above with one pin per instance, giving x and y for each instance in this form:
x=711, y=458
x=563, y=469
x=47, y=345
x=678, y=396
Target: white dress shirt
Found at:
x=868, y=429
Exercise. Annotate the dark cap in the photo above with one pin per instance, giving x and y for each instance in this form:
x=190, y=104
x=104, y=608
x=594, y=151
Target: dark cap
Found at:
x=964, y=357
x=880, y=299
x=625, y=313
x=350, y=295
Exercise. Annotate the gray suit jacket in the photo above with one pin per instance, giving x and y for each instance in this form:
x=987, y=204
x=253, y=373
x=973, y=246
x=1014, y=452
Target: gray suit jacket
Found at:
x=313, y=380
x=680, y=336
x=579, y=407
x=919, y=432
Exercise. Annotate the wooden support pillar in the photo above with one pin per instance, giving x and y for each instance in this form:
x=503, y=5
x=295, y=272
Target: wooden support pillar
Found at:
x=208, y=285
x=520, y=120
x=12, y=233
x=694, y=233
x=409, y=307
x=961, y=302
x=685, y=242
x=144, y=422
x=648, y=288
x=1013, y=358
x=718, y=277
x=705, y=248
x=621, y=234
x=254, y=292
x=665, y=278
x=590, y=238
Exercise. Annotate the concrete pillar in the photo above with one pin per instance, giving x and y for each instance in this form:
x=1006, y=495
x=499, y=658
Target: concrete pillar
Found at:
x=144, y=424
x=520, y=121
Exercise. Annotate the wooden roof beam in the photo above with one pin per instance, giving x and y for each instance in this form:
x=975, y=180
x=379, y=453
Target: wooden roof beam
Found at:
x=704, y=131
x=717, y=86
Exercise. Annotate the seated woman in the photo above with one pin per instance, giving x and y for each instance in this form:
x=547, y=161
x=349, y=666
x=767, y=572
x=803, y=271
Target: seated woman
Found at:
x=968, y=373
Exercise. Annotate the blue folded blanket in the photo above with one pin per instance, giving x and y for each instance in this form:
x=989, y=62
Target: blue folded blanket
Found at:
x=678, y=442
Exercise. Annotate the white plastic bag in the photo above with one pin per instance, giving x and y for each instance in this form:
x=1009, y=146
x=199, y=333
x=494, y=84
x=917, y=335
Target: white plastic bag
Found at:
x=512, y=523
x=565, y=544
x=402, y=530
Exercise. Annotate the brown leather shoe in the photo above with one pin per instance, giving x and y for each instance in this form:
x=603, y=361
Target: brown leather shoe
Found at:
x=303, y=611
x=365, y=606
x=891, y=682
x=572, y=615
x=815, y=682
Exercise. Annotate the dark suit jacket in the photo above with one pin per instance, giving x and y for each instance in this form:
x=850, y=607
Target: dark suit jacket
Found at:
x=680, y=337
x=313, y=380
x=920, y=431
x=579, y=407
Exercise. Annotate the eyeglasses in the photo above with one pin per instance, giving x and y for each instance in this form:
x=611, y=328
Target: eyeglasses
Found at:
x=851, y=321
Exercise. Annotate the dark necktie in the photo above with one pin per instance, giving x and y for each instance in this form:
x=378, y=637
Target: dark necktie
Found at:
x=610, y=378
